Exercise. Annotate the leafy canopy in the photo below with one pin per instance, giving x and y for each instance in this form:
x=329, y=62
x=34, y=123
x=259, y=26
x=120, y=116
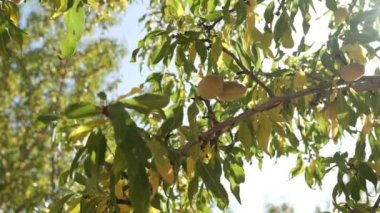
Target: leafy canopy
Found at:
x=162, y=146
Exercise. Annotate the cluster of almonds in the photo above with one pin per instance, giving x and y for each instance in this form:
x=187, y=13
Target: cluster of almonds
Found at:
x=213, y=86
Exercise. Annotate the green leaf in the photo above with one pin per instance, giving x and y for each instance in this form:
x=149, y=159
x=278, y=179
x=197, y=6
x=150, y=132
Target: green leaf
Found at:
x=160, y=51
x=246, y=138
x=201, y=50
x=46, y=119
x=367, y=173
x=327, y=61
x=132, y=148
x=214, y=15
x=331, y=4
x=216, y=51
x=211, y=179
x=238, y=173
x=74, y=163
x=368, y=36
x=269, y=12
x=360, y=104
x=81, y=110
x=368, y=16
x=354, y=189
x=211, y=4
x=241, y=11
x=134, y=55
x=75, y=24
x=97, y=143
x=281, y=26
x=193, y=188
x=298, y=168
x=102, y=95
x=57, y=206
x=173, y=120
x=146, y=102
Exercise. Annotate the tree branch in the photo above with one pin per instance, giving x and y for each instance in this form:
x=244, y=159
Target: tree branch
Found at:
x=248, y=72
x=366, y=83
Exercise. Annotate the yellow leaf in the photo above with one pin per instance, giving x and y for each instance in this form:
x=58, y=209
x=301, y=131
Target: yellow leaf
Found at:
x=119, y=192
x=76, y=209
x=367, y=127
x=206, y=153
x=275, y=114
x=165, y=169
x=124, y=208
x=216, y=50
x=249, y=33
x=180, y=11
x=299, y=80
x=287, y=39
x=282, y=145
x=101, y=207
x=133, y=91
x=331, y=110
x=263, y=132
x=154, y=210
x=192, y=52
x=266, y=39
x=162, y=161
x=154, y=180
x=308, y=99
x=13, y=11
x=190, y=166
x=331, y=114
x=355, y=52
x=83, y=130
x=268, y=52
x=80, y=132
x=334, y=129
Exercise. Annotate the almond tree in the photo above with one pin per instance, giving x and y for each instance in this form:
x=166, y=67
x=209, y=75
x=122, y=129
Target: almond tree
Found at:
x=167, y=144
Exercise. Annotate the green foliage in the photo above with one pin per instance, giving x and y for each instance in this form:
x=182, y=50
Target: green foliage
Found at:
x=168, y=148
x=35, y=88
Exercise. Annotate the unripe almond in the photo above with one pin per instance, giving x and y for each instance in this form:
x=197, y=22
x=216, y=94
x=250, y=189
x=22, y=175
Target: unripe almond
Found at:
x=352, y=72
x=232, y=91
x=210, y=86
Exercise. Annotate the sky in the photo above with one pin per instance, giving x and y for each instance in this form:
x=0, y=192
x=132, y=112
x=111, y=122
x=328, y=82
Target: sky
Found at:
x=272, y=184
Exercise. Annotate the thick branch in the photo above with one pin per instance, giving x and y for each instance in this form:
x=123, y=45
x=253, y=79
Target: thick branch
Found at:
x=367, y=83
x=246, y=71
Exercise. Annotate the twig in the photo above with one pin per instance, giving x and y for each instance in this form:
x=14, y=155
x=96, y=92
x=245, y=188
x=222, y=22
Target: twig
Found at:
x=246, y=71
x=210, y=112
x=282, y=4
x=365, y=84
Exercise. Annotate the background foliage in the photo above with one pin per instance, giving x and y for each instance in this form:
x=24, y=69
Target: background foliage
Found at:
x=163, y=147
x=36, y=80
